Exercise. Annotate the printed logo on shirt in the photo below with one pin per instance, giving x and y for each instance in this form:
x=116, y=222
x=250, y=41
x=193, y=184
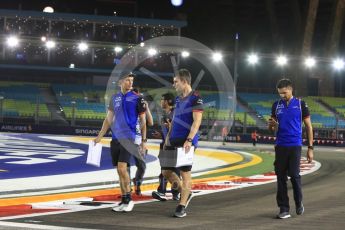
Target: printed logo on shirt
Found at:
x=279, y=111
x=280, y=106
x=117, y=101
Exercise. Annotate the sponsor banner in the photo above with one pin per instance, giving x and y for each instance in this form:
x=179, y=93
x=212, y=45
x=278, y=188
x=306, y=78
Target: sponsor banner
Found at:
x=271, y=140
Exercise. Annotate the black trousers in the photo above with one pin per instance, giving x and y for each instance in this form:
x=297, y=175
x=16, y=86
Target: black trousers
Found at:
x=287, y=163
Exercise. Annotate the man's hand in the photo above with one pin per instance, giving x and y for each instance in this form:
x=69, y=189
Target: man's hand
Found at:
x=142, y=149
x=97, y=140
x=187, y=145
x=310, y=155
x=272, y=124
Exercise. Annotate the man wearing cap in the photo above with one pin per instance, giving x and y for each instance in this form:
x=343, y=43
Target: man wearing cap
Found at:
x=124, y=109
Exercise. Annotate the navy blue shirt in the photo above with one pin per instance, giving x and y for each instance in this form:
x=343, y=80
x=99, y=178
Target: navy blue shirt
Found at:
x=290, y=119
x=127, y=108
x=183, y=117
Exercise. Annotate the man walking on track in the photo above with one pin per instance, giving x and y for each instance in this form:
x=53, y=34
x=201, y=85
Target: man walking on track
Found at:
x=183, y=133
x=167, y=104
x=287, y=116
x=124, y=109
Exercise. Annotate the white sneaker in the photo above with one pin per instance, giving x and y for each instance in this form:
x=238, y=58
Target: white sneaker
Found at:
x=128, y=207
x=118, y=208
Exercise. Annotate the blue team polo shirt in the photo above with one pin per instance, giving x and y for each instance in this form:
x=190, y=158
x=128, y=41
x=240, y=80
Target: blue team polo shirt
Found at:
x=127, y=108
x=183, y=116
x=290, y=118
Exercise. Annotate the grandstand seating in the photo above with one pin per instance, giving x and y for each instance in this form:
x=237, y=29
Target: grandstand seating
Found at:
x=260, y=103
x=21, y=100
x=321, y=118
x=89, y=101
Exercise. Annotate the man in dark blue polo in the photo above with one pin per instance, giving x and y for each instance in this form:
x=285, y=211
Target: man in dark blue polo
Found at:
x=124, y=109
x=287, y=117
x=183, y=133
x=167, y=104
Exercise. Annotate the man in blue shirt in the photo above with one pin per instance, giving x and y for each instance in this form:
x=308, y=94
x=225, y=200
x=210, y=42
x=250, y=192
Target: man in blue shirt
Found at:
x=287, y=117
x=124, y=109
x=183, y=133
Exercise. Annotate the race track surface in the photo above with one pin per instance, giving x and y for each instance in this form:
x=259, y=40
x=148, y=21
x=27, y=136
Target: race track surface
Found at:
x=247, y=208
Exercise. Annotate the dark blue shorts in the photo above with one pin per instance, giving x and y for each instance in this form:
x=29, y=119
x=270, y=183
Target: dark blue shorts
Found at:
x=122, y=151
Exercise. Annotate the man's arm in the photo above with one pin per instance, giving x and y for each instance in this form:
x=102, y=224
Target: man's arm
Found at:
x=309, y=129
x=272, y=122
x=197, y=118
x=106, y=125
x=149, y=118
x=142, y=119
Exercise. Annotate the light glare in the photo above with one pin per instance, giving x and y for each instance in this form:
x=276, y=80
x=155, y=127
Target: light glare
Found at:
x=253, y=59
x=310, y=62
x=185, y=54
x=217, y=56
x=118, y=49
x=50, y=44
x=338, y=64
x=12, y=41
x=152, y=52
x=282, y=60
x=83, y=46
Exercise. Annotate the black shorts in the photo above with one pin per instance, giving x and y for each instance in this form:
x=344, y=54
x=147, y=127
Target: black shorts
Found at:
x=122, y=151
x=175, y=144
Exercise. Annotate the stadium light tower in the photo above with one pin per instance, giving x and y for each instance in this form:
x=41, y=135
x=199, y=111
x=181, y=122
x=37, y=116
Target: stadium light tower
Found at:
x=253, y=59
x=309, y=62
x=217, y=56
x=281, y=60
x=338, y=64
x=12, y=41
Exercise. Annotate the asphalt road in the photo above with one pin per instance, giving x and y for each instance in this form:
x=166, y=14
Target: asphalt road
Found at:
x=248, y=208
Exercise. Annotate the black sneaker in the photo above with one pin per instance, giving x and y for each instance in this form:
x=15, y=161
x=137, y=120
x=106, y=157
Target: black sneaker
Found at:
x=189, y=198
x=137, y=188
x=300, y=209
x=180, y=211
x=283, y=215
x=159, y=196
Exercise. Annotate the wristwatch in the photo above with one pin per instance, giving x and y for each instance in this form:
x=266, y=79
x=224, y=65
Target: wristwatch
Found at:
x=189, y=139
x=311, y=147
